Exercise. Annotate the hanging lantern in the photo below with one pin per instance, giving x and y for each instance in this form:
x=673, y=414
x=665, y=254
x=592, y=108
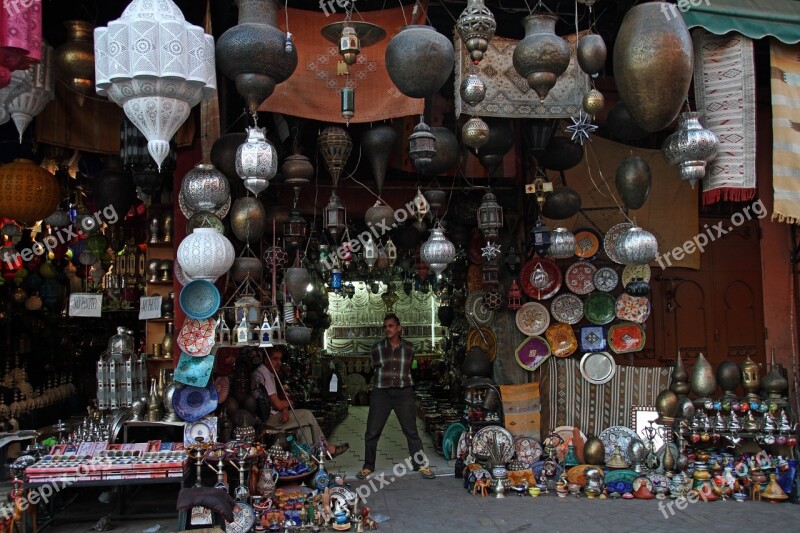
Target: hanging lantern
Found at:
x=435, y=199
x=379, y=218
x=204, y=188
x=336, y=278
x=75, y=62
x=205, y=254
x=421, y=206
x=490, y=217
x=476, y=26
x=562, y=244
x=473, y=90
x=512, y=259
x=31, y=102
x=377, y=144
x=156, y=66
x=19, y=83
x=21, y=37
x=335, y=221
x=297, y=170
x=256, y=161
x=370, y=253
x=492, y=300
x=591, y=54
x=540, y=238
x=391, y=252
x=295, y=229
x=255, y=53
x=690, y=147
x=27, y=191
x=514, y=297
x=275, y=257
x=593, y=102
x=247, y=308
x=349, y=45
x=636, y=246
x=542, y=56
x=113, y=187
x=335, y=145
x=137, y=160
x=475, y=133
x=422, y=146
x=349, y=290
x=297, y=279
x=419, y=60
x=437, y=251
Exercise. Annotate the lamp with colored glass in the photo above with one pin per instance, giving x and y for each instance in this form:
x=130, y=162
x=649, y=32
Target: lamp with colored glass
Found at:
x=490, y=217
x=335, y=216
x=540, y=238
x=295, y=229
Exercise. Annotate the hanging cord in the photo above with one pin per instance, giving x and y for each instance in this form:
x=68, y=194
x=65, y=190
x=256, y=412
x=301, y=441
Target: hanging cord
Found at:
x=605, y=181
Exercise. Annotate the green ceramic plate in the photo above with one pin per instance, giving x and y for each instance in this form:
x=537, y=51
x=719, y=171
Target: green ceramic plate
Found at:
x=626, y=476
x=600, y=308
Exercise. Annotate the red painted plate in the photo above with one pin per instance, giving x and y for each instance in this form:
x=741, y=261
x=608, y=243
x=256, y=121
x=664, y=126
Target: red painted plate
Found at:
x=580, y=277
x=540, y=278
x=625, y=338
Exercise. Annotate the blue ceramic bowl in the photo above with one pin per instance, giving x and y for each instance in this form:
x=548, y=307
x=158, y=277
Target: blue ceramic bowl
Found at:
x=199, y=299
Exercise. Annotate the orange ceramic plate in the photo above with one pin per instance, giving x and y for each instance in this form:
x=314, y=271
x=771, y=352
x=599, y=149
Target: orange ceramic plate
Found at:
x=626, y=338
x=562, y=340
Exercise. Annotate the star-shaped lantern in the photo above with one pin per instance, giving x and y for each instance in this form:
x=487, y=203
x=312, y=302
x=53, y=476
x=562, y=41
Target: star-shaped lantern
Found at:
x=581, y=127
x=491, y=250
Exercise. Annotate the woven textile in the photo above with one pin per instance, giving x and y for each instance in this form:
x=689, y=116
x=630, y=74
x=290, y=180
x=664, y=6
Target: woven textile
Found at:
x=785, y=61
x=313, y=90
x=508, y=94
x=570, y=400
x=522, y=406
x=725, y=87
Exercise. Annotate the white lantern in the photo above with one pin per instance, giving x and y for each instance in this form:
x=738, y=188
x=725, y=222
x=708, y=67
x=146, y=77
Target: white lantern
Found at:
x=205, y=254
x=370, y=253
x=256, y=161
x=156, y=66
x=31, y=102
x=19, y=84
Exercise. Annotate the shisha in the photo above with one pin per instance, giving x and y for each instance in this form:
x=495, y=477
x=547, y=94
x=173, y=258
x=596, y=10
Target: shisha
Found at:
x=241, y=454
x=217, y=452
x=651, y=461
x=200, y=515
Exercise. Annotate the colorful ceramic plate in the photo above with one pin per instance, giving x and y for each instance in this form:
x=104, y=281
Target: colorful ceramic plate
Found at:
x=244, y=518
x=587, y=243
x=528, y=449
x=632, y=272
x=567, y=308
x=593, y=339
x=540, y=278
x=606, y=279
x=496, y=437
x=611, y=238
x=194, y=370
x=580, y=277
x=193, y=403
x=451, y=437
x=642, y=480
x=565, y=432
x=197, y=336
x=617, y=436
x=484, y=339
x=632, y=308
x=626, y=338
x=223, y=386
x=561, y=339
x=624, y=475
x=532, y=319
x=659, y=480
x=477, y=311
x=206, y=427
x=598, y=367
x=199, y=299
x=532, y=352
x=599, y=308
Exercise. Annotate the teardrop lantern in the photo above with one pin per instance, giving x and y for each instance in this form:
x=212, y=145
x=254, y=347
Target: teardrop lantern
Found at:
x=437, y=252
x=476, y=26
x=703, y=382
x=633, y=181
x=542, y=56
x=690, y=147
x=33, y=101
x=636, y=246
x=378, y=143
x=75, y=59
x=335, y=145
x=653, y=58
x=296, y=280
x=419, y=60
x=255, y=53
x=256, y=161
x=591, y=53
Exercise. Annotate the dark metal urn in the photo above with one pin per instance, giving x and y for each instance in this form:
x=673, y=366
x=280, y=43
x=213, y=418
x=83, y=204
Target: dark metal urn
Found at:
x=419, y=60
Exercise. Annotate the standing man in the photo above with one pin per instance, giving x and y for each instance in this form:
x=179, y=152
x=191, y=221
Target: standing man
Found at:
x=392, y=389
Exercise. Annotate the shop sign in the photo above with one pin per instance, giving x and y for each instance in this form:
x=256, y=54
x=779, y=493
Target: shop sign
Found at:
x=82, y=304
x=150, y=307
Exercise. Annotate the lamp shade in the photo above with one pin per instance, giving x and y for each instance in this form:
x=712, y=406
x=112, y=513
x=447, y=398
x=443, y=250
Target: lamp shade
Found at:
x=31, y=102
x=27, y=191
x=156, y=66
x=20, y=38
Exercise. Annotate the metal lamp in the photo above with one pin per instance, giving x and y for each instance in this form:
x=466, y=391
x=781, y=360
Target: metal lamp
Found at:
x=295, y=229
x=335, y=216
x=490, y=217
x=422, y=146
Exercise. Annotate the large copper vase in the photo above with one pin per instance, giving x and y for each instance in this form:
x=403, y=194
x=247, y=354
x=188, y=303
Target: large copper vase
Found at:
x=653, y=64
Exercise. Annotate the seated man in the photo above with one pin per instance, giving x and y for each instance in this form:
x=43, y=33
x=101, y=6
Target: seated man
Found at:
x=282, y=414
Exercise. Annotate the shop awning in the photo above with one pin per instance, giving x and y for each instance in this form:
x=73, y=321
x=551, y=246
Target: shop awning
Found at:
x=752, y=18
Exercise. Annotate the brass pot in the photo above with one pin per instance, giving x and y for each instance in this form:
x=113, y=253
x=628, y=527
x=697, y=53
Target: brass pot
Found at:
x=594, y=451
x=633, y=181
x=653, y=58
x=248, y=219
x=419, y=60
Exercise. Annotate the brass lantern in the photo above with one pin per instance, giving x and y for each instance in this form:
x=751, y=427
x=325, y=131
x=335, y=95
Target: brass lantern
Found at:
x=490, y=217
x=294, y=229
x=422, y=146
x=335, y=216
x=349, y=45
x=476, y=26
x=335, y=145
x=75, y=59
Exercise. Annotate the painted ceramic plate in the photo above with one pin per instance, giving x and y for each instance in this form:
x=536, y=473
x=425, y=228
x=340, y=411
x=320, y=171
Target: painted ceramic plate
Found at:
x=611, y=238
x=593, y=339
x=587, y=243
x=565, y=432
x=540, y=278
x=528, y=449
x=642, y=480
x=632, y=272
x=532, y=319
x=477, y=310
x=206, y=427
x=484, y=339
x=197, y=336
x=223, y=386
x=632, y=308
x=567, y=308
x=561, y=339
x=194, y=370
x=244, y=518
x=606, y=279
x=188, y=212
x=599, y=308
x=493, y=436
x=617, y=436
x=598, y=367
x=199, y=299
x=659, y=480
x=626, y=338
x=532, y=352
x=580, y=277
x=193, y=403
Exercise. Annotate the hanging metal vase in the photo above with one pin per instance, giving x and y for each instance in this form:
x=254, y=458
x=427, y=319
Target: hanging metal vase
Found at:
x=419, y=60
x=633, y=181
x=378, y=143
x=690, y=147
x=591, y=53
x=296, y=280
x=542, y=56
x=561, y=204
x=476, y=26
x=653, y=58
x=447, y=152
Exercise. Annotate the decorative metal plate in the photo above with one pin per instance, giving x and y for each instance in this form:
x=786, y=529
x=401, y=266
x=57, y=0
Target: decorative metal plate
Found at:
x=606, y=279
x=617, y=436
x=611, y=238
x=580, y=277
x=598, y=367
x=484, y=339
x=632, y=272
x=540, y=278
x=477, y=311
x=532, y=319
x=587, y=243
x=493, y=436
x=567, y=308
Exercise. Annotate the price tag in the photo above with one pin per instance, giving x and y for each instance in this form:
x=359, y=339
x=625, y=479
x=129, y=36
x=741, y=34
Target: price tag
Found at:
x=150, y=307
x=83, y=304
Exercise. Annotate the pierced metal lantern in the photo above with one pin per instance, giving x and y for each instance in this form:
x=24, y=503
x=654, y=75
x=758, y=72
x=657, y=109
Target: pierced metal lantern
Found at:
x=542, y=56
x=335, y=216
x=636, y=246
x=421, y=206
x=335, y=145
x=562, y=244
x=204, y=188
x=593, y=102
x=473, y=90
x=540, y=238
x=295, y=229
x=490, y=217
x=476, y=26
x=256, y=161
x=370, y=253
x=437, y=251
x=690, y=147
x=475, y=133
x=422, y=146
x=349, y=45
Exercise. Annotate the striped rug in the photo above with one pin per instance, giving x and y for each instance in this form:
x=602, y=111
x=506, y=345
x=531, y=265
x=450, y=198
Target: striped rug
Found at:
x=570, y=400
x=785, y=74
x=725, y=86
